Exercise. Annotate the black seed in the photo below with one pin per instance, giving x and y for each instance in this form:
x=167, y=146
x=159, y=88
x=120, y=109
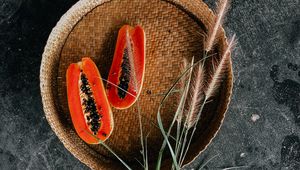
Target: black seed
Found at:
x=84, y=79
x=125, y=73
x=93, y=128
x=96, y=126
x=90, y=101
x=121, y=94
x=104, y=134
x=93, y=113
x=84, y=102
x=93, y=108
x=83, y=88
x=88, y=92
x=90, y=105
x=96, y=116
x=87, y=108
x=94, y=121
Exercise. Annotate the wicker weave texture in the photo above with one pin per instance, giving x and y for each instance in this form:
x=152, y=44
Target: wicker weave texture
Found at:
x=173, y=31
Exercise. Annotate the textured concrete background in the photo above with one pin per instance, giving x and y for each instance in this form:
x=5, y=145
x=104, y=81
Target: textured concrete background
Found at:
x=261, y=130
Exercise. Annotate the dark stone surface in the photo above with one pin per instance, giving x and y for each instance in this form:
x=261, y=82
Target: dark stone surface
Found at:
x=26, y=139
x=261, y=130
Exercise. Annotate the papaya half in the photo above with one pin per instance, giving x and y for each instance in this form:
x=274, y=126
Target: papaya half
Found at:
x=126, y=74
x=89, y=107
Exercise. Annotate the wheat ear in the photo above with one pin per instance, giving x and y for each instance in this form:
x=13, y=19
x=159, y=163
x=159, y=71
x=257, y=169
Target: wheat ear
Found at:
x=196, y=96
x=219, y=73
x=213, y=85
x=185, y=87
x=222, y=8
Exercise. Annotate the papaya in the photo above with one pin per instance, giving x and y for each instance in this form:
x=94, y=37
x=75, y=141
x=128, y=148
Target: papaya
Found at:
x=89, y=107
x=126, y=75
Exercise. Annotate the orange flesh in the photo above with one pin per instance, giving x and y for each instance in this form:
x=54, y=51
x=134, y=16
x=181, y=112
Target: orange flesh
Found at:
x=89, y=68
x=134, y=38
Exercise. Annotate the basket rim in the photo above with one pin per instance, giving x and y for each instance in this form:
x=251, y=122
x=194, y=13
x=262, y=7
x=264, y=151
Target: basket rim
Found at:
x=61, y=31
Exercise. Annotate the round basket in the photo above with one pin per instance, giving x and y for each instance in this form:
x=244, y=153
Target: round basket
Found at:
x=173, y=31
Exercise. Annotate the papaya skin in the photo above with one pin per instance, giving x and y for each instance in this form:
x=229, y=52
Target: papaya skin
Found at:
x=128, y=65
x=88, y=67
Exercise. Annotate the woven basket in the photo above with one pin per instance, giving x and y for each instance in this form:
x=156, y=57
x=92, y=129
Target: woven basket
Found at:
x=173, y=31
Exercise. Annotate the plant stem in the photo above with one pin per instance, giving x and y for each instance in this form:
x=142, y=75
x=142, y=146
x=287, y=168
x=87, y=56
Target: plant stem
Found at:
x=182, y=101
x=180, y=142
x=210, y=159
x=181, y=160
x=167, y=141
x=118, y=87
x=183, y=146
x=195, y=126
x=155, y=125
x=139, y=162
x=235, y=167
x=141, y=135
x=177, y=136
x=108, y=148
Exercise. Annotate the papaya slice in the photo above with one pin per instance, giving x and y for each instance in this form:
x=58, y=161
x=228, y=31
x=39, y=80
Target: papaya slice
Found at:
x=126, y=74
x=89, y=107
